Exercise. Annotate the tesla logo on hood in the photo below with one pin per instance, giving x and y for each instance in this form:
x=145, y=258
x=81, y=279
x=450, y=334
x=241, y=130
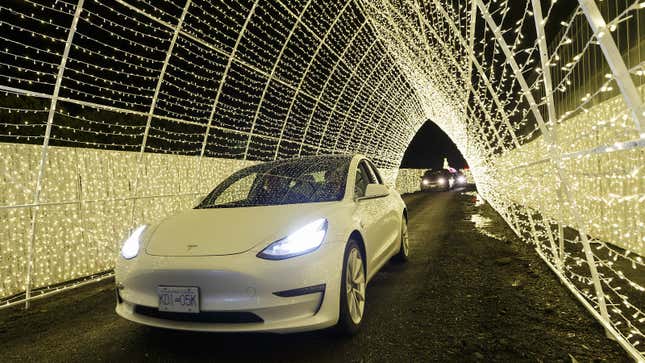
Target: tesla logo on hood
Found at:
x=190, y=247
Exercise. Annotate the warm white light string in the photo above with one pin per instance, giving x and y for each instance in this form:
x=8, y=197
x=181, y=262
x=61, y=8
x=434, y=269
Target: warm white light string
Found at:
x=315, y=77
x=584, y=137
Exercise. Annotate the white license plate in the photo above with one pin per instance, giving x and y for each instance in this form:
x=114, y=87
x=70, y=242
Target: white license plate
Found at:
x=178, y=299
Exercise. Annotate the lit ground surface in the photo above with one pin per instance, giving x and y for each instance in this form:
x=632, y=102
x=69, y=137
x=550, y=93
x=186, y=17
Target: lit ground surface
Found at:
x=468, y=294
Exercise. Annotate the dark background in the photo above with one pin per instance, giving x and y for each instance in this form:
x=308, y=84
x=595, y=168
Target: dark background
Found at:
x=428, y=148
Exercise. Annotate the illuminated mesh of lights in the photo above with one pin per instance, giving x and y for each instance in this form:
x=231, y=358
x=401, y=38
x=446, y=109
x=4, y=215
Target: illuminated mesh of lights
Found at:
x=116, y=112
x=550, y=125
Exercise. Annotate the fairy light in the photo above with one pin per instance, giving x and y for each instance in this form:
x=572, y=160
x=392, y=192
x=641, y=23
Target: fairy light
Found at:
x=377, y=70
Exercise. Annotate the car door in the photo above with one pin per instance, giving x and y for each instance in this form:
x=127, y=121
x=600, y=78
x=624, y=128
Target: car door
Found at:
x=392, y=214
x=371, y=217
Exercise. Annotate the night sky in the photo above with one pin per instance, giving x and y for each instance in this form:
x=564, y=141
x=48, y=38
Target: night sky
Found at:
x=428, y=148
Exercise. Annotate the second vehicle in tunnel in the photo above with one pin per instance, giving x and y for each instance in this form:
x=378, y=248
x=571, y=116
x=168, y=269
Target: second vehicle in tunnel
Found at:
x=283, y=246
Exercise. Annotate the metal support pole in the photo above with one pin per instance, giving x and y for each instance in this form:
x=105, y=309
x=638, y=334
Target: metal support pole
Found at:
x=153, y=104
x=162, y=74
x=544, y=60
x=221, y=87
x=478, y=66
x=376, y=128
x=383, y=95
x=369, y=99
x=482, y=73
x=304, y=76
x=556, y=159
x=43, y=153
x=329, y=77
x=561, y=238
x=548, y=91
x=615, y=60
x=273, y=70
x=471, y=45
x=226, y=53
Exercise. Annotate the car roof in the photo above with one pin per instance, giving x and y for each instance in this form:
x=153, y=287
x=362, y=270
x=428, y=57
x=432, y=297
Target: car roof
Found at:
x=436, y=172
x=310, y=158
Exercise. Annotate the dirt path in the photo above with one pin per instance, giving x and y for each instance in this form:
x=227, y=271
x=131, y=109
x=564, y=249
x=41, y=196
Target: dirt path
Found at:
x=464, y=296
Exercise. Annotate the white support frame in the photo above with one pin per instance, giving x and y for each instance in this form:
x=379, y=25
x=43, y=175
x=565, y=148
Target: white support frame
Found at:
x=550, y=104
x=43, y=154
x=139, y=113
x=351, y=106
x=329, y=77
x=223, y=52
x=313, y=33
x=153, y=104
x=448, y=52
x=471, y=44
x=384, y=94
x=220, y=87
x=544, y=60
x=481, y=72
x=304, y=76
x=615, y=60
x=563, y=179
x=162, y=74
x=273, y=70
x=360, y=115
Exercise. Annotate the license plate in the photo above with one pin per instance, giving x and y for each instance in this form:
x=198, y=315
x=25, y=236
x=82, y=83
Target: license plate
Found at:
x=178, y=299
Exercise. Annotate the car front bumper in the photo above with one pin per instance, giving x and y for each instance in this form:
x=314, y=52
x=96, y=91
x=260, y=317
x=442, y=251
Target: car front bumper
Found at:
x=236, y=286
x=433, y=186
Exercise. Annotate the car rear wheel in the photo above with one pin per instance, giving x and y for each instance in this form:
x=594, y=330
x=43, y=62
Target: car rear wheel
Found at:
x=352, y=290
x=404, y=249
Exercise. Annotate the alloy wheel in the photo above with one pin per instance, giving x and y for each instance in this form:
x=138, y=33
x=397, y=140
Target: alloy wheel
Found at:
x=405, y=239
x=355, y=284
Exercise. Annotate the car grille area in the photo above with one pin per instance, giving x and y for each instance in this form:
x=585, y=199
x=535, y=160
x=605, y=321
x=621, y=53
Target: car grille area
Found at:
x=221, y=317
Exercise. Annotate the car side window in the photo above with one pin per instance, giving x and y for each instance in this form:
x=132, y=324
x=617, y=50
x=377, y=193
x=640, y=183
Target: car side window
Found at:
x=362, y=179
x=376, y=176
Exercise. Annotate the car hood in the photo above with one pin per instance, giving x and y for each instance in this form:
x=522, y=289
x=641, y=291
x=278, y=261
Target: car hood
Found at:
x=228, y=231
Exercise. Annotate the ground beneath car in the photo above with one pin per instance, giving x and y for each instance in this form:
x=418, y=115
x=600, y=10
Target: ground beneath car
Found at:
x=471, y=292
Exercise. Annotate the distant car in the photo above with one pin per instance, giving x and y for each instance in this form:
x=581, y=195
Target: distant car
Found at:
x=460, y=178
x=283, y=246
x=437, y=180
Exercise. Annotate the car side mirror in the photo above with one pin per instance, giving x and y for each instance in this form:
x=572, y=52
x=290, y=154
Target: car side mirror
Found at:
x=375, y=191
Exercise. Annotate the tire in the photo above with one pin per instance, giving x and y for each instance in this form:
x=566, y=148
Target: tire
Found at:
x=350, y=319
x=404, y=248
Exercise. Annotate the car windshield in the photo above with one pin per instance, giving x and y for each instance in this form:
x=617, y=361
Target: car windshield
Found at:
x=303, y=180
x=435, y=174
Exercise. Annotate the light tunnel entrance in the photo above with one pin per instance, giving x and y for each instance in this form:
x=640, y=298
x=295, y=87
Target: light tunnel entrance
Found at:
x=113, y=113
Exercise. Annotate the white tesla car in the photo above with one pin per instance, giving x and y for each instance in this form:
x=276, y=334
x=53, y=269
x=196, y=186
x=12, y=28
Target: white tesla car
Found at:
x=280, y=247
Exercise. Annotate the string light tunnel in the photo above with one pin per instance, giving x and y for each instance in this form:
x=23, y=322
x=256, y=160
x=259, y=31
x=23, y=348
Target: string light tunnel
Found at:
x=119, y=112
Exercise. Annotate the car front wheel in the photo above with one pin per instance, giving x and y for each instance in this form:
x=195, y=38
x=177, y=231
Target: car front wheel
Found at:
x=352, y=291
x=404, y=249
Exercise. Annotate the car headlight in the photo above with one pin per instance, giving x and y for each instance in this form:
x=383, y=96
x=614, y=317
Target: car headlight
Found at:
x=441, y=180
x=425, y=182
x=304, y=240
x=131, y=245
